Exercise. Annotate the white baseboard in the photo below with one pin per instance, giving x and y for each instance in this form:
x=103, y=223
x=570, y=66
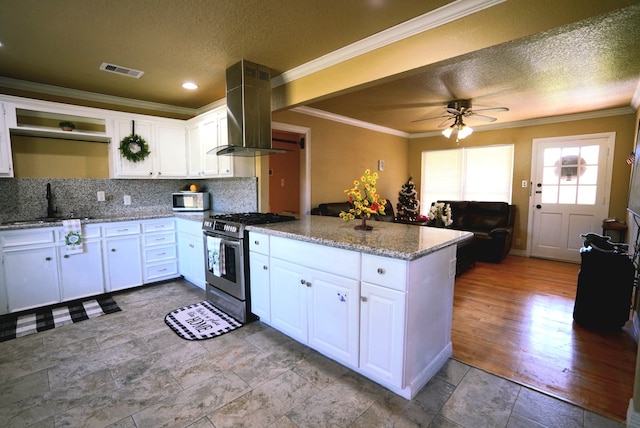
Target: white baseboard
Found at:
x=633, y=417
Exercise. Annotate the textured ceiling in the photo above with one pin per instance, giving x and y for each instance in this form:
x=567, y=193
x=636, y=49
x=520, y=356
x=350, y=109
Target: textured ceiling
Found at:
x=593, y=64
x=588, y=64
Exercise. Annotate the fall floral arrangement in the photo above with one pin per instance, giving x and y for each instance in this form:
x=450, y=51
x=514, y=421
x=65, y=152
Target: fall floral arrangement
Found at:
x=440, y=215
x=364, y=199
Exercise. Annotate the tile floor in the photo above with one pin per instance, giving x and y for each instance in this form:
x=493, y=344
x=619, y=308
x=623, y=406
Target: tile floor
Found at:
x=129, y=369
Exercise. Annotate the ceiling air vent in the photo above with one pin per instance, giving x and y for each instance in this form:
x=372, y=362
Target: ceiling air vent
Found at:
x=112, y=68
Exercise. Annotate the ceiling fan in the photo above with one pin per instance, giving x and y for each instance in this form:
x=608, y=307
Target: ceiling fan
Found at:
x=456, y=110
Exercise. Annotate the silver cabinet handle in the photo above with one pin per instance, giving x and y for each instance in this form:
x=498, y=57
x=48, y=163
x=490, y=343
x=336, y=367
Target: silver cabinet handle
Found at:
x=66, y=256
x=307, y=283
x=381, y=271
x=113, y=250
x=363, y=299
x=256, y=242
x=48, y=259
x=302, y=281
x=265, y=267
x=192, y=246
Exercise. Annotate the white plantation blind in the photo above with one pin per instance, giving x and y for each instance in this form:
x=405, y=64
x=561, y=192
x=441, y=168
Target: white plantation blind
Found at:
x=467, y=174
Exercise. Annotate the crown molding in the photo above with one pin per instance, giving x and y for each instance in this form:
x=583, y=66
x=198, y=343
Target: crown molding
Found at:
x=60, y=91
x=518, y=124
x=348, y=121
x=443, y=15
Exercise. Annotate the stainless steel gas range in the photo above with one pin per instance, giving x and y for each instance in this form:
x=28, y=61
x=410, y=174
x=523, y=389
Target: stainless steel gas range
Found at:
x=226, y=252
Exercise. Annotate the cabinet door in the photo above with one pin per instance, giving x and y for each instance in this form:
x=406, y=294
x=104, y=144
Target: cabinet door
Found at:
x=194, y=152
x=382, y=330
x=124, y=262
x=334, y=304
x=209, y=142
x=125, y=168
x=289, y=298
x=6, y=162
x=31, y=277
x=225, y=163
x=171, y=151
x=259, y=284
x=81, y=273
x=191, y=259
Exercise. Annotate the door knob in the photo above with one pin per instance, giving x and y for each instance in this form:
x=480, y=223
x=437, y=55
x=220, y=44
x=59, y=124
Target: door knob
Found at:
x=538, y=206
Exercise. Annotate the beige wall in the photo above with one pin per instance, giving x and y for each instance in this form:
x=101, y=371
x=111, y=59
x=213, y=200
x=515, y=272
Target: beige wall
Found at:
x=340, y=153
x=522, y=138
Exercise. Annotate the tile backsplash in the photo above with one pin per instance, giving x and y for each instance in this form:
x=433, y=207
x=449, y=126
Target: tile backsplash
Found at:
x=25, y=198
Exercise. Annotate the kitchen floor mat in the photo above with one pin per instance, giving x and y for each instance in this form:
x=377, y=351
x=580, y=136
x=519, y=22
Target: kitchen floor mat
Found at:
x=200, y=321
x=40, y=319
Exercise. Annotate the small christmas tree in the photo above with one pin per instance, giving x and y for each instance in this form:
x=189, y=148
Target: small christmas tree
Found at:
x=408, y=206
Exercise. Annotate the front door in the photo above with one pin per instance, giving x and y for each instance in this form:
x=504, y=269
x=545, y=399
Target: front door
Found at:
x=571, y=182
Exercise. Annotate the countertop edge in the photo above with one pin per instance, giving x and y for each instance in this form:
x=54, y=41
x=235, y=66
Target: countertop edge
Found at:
x=362, y=248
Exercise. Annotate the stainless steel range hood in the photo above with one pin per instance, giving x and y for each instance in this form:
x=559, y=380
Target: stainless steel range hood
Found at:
x=248, y=111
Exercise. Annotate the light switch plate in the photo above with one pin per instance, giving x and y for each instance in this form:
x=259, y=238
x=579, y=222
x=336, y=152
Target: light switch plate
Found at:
x=127, y=199
x=380, y=165
x=101, y=197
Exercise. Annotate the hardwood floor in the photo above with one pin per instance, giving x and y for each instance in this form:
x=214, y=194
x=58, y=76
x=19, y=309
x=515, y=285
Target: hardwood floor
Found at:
x=515, y=319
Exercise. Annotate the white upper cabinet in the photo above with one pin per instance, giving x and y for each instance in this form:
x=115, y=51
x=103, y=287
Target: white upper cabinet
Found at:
x=6, y=162
x=167, y=144
x=206, y=133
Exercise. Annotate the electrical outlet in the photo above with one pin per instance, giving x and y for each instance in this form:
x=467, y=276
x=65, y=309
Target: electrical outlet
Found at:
x=127, y=199
x=518, y=242
x=524, y=183
x=101, y=197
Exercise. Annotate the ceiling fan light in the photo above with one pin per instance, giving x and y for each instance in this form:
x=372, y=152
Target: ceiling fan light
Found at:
x=447, y=132
x=465, y=131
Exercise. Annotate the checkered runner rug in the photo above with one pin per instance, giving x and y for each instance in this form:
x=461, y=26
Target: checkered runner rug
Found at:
x=41, y=319
x=200, y=321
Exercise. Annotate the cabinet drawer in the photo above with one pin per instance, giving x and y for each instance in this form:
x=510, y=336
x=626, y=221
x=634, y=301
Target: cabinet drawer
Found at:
x=88, y=232
x=120, y=229
x=160, y=253
x=158, y=225
x=328, y=259
x=159, y=239
x=189, y=226
x=259, y=243
x=384, y=271
x=27, y=237
x=160, y=271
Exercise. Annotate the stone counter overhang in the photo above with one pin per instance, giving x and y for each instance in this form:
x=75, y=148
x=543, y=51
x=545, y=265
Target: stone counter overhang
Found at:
x=398, y=241
x=193, y=216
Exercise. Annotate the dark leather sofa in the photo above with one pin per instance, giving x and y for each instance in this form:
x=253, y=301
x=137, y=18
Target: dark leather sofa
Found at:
x=492, y=225
x=333, y=209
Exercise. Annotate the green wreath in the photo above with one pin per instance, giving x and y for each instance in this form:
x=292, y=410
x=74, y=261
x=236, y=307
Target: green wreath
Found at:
x=134, y=148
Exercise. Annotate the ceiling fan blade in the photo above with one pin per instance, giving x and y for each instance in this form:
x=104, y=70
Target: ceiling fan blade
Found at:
x=491, y=109
x=454, y=111
x=482, y=117
x=445, y=122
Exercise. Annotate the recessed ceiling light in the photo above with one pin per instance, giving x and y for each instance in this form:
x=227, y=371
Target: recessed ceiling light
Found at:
x=189, y=85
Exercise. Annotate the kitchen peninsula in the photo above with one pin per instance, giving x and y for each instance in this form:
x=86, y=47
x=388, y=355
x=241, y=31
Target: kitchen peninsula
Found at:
x=380, y=302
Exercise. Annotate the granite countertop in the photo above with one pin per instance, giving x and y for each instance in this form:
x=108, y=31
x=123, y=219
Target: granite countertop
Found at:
x=399, y=241
x=194, y=216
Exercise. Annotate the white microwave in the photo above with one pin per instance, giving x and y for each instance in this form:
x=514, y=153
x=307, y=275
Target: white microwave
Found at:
x=191, y=201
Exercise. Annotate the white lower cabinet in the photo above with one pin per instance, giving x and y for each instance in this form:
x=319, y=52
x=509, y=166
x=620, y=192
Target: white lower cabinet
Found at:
x=160, y=256
x=191, y=251
x=31, y=277
x=123, y=256
x=81, y=274
x=310, y=304
x=388, y=319
x=382, y=314
x=259, y=284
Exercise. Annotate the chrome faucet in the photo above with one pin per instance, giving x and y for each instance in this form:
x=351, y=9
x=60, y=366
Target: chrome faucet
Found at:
x=51, y=212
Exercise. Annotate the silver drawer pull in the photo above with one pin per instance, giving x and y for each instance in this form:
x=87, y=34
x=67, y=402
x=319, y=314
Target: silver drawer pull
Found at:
x=381, y=271
x=66, y=256
x=192, y=246
x=363, y=298
x=302, y=281
x=307, y=283
x=256, y=242
x=160, y=239
x=161, y=270
x=113, y=250
x=123, y=230
x=265, y=267
x=161, y=254
x=48, y=259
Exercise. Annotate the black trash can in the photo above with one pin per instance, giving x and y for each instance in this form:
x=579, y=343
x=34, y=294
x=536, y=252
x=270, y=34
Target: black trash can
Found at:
x=605, y=286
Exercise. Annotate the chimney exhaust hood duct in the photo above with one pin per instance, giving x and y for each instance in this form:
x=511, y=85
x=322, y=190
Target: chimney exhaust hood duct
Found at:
x=248, y=111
